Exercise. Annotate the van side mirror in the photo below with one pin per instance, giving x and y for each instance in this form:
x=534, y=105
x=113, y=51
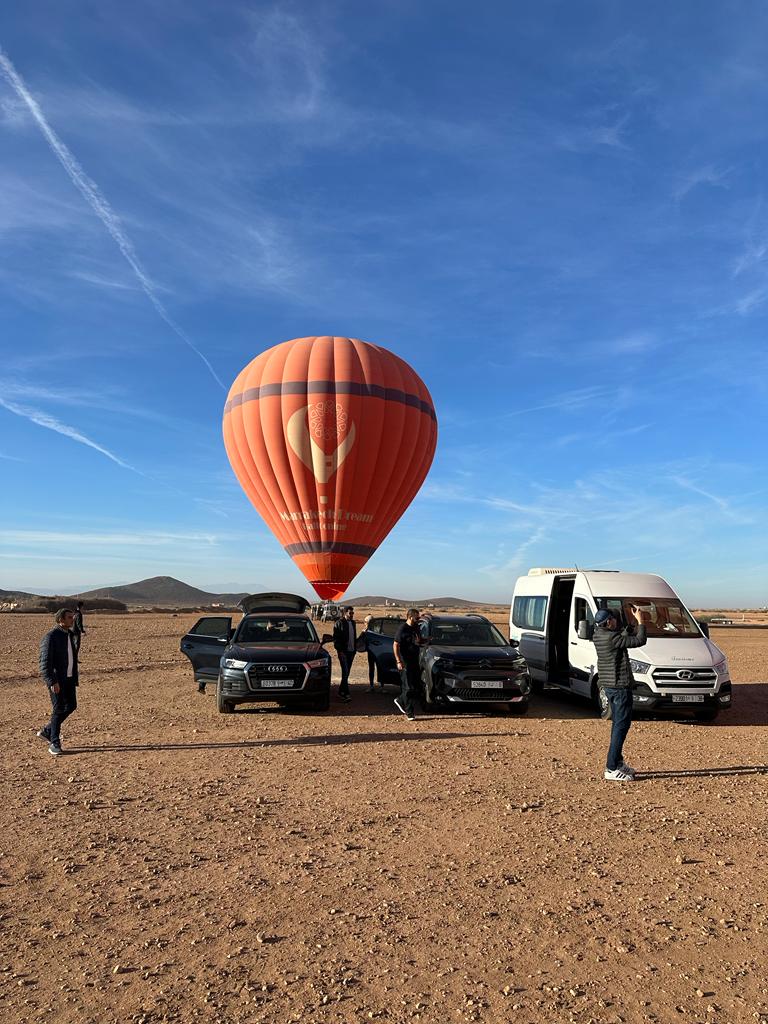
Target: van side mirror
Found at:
x=327, y=637
x=586, y=630
x=704, y=627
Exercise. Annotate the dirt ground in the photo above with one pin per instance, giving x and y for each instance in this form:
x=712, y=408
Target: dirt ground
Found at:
x=179, y=865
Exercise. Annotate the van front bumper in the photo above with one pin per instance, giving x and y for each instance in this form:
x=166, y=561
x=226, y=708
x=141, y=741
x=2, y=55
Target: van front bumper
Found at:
x=646, y=699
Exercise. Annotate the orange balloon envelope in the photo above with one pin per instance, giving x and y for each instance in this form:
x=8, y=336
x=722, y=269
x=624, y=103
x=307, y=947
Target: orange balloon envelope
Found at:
x=330, y=438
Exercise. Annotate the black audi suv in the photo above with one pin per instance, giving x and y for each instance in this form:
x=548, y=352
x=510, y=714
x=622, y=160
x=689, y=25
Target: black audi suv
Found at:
x=274, y=654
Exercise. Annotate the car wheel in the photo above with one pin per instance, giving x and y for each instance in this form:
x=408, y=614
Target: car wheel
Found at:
x=602, y=704
x=518, y=708
x=323, y=702
x=224, y=707
x=706, y=714
x=426, y=693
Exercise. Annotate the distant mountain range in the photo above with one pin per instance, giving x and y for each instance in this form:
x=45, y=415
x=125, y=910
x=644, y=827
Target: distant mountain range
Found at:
x=163, y=591
x=167, y=592
x=159, y=592
x=426, y=602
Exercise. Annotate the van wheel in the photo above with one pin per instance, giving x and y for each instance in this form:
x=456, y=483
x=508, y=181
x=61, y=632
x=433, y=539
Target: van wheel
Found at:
x=706, y=714
x=518, y=708
x=601, y=703
x=537, y=686
x=224, y=707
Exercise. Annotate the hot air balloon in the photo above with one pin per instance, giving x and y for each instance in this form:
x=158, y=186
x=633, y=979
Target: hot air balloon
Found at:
x=330, y=438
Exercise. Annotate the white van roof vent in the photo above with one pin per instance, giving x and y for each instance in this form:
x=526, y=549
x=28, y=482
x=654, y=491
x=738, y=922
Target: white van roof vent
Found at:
x=550, y=572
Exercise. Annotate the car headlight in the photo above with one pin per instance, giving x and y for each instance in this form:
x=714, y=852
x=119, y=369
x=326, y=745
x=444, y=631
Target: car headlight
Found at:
x=319, y=663
x=641, y=668
x=232, y=663
x=722, y=667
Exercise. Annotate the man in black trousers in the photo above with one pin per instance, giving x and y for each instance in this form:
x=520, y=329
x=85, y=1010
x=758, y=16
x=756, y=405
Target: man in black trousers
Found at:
x=408, y=640
x=78, y=629
x=345, y=641
x=58, y=667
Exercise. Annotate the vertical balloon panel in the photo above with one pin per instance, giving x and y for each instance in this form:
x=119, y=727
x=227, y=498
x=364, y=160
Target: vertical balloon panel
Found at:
x=331, y=439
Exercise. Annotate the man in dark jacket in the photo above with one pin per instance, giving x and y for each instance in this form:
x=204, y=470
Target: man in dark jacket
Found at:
x=345, y=640
x=408, y=640
x=615, y=679
x=78, y=629
x=58, y=667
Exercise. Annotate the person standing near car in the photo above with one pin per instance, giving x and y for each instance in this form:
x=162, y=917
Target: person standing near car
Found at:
x=615, y=680
x=345, y=641
x=58, y=667
x=365, y=646
x=406, y=650
x=78, y=629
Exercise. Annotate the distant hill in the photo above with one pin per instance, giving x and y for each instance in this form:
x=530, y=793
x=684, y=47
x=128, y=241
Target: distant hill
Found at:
x=163, y=591
x=425, y=602
x=16, y=597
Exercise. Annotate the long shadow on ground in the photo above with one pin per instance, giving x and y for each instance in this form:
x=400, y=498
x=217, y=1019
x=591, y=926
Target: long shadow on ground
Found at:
x=706, y=773
x=295, y=741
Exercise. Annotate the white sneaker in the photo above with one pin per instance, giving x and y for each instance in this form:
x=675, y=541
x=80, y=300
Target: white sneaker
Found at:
x=618, y=775
x=628, y=769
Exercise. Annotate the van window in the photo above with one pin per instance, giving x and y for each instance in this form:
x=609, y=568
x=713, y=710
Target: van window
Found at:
x=529, y=612
x=582, y=612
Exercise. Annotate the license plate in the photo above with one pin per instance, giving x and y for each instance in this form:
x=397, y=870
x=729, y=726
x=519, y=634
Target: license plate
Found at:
x=486, y=684
x=688, y=698
x=274, y=683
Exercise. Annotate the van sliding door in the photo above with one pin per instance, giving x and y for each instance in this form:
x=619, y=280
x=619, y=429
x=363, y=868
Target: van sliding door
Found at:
x=529, y=613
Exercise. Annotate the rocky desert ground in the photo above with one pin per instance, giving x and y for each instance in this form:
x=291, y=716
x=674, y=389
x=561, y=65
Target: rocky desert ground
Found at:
x=181, y=866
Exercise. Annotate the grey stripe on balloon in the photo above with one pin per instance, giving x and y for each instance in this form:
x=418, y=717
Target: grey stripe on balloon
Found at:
x=330, y=387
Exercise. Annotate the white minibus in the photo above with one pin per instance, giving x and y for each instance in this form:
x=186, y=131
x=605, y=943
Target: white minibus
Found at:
x=551, y=622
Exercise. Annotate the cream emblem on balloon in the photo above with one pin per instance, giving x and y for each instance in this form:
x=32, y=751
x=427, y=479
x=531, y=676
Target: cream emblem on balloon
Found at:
x=321, y=421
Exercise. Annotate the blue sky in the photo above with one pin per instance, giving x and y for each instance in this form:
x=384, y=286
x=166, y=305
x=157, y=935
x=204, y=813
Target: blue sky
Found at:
x=554, y=211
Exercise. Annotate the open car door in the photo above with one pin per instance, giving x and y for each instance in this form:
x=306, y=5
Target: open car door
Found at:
x=204, y=645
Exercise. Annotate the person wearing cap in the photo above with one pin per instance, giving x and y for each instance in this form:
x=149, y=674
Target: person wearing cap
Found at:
x=345, y=642
x=614, y=676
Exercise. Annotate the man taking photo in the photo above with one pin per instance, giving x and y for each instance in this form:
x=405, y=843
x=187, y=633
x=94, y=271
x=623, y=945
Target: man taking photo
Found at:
x=615, y=679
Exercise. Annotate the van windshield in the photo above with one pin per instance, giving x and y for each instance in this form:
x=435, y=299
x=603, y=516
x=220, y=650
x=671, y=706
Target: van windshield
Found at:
x=662, y=616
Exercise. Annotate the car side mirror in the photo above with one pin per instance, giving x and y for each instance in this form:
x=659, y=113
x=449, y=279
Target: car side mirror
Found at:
x=704, y=627
x=326, y=638
x=514, y=643
x=586, y=630
x=230, y=634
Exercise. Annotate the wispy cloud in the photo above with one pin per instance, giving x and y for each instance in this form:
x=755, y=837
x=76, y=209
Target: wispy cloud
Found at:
x=105, y=539
x=43, y=419
x=722, y=503
x=509, y=567
x=635, y=342
x=706, y=175
x=98, y=203
x=608, y=135
x=578, y=398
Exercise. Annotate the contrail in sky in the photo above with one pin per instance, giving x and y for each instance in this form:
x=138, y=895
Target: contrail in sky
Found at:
x=92, y=195
x=42, y=419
